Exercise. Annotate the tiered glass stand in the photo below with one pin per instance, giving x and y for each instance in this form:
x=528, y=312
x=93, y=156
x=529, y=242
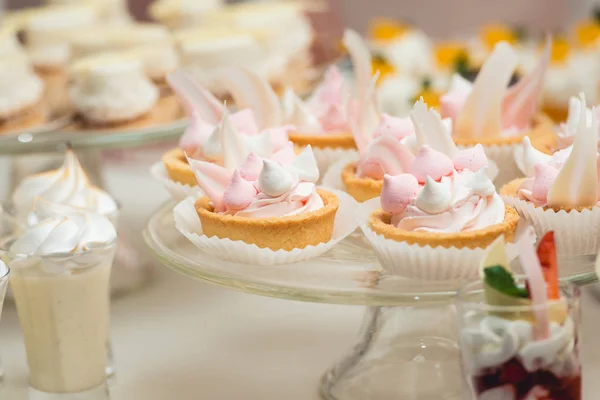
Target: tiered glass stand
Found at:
x=407, y=348
x=32, y=151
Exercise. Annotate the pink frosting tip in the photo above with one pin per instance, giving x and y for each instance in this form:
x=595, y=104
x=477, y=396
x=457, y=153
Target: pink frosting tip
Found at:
x=239, y=193
x=195, y=135
x=250, y=169
x=398, y=191
x=285, y=155
x=473, y=159
x=432, y=163
x=545, y=175
x=397, y=127
x=451, y=103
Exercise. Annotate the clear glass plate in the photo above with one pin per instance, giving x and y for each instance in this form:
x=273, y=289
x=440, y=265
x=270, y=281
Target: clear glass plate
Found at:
x=347, y=274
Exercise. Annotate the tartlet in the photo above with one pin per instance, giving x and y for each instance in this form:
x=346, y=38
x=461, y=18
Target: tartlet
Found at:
x=287, y=233
x=360, y=188
x=482, y=238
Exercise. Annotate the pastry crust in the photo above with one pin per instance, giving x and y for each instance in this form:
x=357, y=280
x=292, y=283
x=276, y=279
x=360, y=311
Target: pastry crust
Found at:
x=511, y=189
x=56, y=96
x=362, y=189
x=167, y=109
x=334, y=141
x=380, y=223
x=287, y=233
x=542, y=133
x=30, y=117
x=178, y=168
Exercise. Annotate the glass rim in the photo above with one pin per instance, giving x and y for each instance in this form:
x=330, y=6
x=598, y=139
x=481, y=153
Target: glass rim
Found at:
x=6, y=275
x=477, y=287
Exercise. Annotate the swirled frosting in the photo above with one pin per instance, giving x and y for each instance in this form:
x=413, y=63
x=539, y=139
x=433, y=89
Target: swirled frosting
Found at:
x=568, y=178
x=68, y=185
x=62, y=230
x=492, y=341
x=262, y=188
x=111, y=89
x=438, y=194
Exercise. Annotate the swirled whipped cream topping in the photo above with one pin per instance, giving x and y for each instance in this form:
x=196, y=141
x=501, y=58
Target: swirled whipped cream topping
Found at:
x=262, y=188
x=204, y=139
x=493, y=341
x=62, y=230
x=439, y=194
x=568, y=178
x=111, y=89
x=68, y=185
x=487, y=108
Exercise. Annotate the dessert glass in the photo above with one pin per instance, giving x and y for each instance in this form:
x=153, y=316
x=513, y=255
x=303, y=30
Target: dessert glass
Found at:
x=63, y=306
x=3, y=284
x=501, y=360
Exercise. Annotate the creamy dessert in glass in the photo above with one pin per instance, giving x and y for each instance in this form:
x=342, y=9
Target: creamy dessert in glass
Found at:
x=519, y=335
x=61, y=272
x=4, y=275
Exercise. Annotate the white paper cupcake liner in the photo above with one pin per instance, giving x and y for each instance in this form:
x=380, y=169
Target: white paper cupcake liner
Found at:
x=332, y=178
x=503, y=157
x=423, y=262
x=326, y=157
x=188, y=223
x=576, y=233
x=178, y=191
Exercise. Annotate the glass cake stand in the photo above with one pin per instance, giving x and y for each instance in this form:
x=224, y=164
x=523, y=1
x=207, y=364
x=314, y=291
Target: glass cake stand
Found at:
x=35, y=150
x=407, y=347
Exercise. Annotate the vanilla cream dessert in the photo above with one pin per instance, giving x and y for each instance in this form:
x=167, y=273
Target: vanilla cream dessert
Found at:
x=111, y=12
x=68, y=185
x=21, y=90
x=61, y=270
x=111, y=89
x=179, y=14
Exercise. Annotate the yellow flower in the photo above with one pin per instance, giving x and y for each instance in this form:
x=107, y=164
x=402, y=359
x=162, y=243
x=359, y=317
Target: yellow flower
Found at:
x=587, y=33
x=385, y=29
x=385, y=69
x=560, y=50
x=448, y=53
x=493, y=34
x=430, y=96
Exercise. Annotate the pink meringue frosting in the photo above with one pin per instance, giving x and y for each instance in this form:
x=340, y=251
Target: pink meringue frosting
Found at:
x=262, y=188
x=568, y=178
x=441, y=197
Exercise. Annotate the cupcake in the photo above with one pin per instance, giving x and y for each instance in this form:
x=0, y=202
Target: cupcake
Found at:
x=560, y=192
x=435, y=220
x=324, y=120
x=47, y=35
x=112, y=91
x=21, y=90
x=208, y=139
x=68, y=185
x=266, y=203
x=487, y=112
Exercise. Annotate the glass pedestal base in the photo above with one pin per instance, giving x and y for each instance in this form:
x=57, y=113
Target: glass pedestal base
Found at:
x=99, y=393
x=408, y=353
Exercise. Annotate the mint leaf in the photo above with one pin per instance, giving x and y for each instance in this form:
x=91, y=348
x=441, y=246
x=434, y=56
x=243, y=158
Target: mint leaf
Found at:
x=500, y=279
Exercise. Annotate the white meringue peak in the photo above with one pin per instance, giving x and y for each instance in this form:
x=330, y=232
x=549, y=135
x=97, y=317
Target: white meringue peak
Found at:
x=68, y=185
x=434, y=198
x=577, y=182
x=481, y=184
x=274, y=180
x=532, y=157
x=299, y=114
x=233, y=145
x=199, y=103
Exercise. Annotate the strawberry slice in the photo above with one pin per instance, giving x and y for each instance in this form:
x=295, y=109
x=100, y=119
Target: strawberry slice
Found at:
x=547, y=255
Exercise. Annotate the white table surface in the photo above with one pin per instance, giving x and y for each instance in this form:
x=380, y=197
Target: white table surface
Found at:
x=185, y=340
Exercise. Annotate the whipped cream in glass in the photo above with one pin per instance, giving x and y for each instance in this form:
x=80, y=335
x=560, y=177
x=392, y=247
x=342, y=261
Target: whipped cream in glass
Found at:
x=68, y=185
x=60, y=283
